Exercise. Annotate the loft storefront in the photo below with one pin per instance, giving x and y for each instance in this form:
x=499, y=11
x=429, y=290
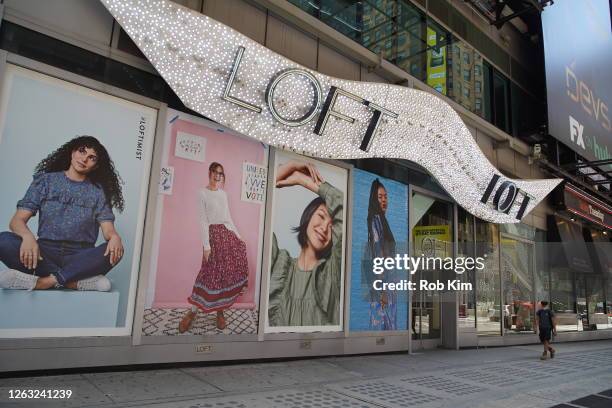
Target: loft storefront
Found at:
x=421, y=216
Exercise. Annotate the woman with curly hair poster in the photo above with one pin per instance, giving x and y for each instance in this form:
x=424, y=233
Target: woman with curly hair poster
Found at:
x=74, y=180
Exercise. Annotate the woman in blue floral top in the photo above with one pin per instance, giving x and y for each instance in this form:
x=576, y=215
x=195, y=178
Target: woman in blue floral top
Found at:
x=73, y=191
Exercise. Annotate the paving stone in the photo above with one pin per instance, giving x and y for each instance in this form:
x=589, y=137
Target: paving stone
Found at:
x=388, y=394
x=593, y=401
x=83, y=392
x=149, y=385
x=288, y=398
x=511, y=377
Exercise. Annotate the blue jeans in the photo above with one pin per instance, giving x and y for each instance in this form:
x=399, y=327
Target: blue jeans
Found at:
x=68, y=261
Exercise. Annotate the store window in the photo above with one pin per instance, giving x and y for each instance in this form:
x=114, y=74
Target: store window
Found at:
x=609, y=301
x=432, y=235
x=596, y=309
x=466, y=247
x=428, y=55
x=542, y=271
x=500, y=99
x=488, y=299
x=518, y=311
x=562, y=296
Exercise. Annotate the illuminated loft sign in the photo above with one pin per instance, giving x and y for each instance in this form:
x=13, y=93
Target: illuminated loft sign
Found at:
x=237, y=82
x=325, y=113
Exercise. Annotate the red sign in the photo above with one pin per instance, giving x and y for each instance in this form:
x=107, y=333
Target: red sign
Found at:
x=587, y=207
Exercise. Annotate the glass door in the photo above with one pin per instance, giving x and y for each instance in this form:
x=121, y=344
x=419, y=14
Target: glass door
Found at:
x=489, y=314
x=432, y=236
x=517, y=264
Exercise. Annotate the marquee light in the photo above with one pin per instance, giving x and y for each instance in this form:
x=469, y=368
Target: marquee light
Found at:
x=239, y=83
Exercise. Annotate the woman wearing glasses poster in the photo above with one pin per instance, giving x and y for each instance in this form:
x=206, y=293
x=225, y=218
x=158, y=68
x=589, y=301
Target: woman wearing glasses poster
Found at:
x=224, y=272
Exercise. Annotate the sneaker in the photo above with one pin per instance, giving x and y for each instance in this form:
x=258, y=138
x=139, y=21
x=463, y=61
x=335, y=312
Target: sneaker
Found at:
x=552, y=353
x=544, y=356
x=98, y=283
x=13, y=279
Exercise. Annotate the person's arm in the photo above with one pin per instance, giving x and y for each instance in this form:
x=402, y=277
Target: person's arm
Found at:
x=377, y=244
x=27, y=207
x=537, y=321
x=114, y=246
x=204, y=225
x=230, y=221
x=29, y=253
x=306, y=175
x=334, y=201
x=105, y=218
x=553, y=320
x=298, y=173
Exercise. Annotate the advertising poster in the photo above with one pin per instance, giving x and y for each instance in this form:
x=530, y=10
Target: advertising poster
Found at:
x=577, y=49
x=433, y=241
x=436, y=62
x=379, y=229
x=207, y=250
x=306, y=276
x=75, y=173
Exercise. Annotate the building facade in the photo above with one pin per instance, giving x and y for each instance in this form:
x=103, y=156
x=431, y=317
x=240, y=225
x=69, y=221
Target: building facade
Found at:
x=72, y=56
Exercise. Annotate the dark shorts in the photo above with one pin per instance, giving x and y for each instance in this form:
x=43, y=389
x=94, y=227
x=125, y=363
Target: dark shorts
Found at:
x=545, y=334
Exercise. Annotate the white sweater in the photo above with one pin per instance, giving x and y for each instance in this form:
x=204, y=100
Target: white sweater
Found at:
x=214, y=209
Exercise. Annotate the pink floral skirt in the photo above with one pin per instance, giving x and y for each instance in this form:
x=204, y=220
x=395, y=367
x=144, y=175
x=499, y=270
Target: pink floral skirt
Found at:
x=221, y=279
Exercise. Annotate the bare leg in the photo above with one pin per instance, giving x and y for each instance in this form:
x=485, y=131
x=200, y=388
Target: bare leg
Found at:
x=46, y=282
x=71, y=285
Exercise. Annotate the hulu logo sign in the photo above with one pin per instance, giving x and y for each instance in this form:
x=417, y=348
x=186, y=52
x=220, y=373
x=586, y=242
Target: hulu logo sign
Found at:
x=601, y=152
x=587, y=142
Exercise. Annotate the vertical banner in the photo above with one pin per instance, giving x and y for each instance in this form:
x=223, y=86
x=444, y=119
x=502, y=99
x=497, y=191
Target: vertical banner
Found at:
x=208, y=239
x=379, y=229
x=306, y=276
x=436, y=62
x=75, y=170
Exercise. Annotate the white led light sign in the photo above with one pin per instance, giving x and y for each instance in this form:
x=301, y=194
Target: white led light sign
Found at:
x=243, y=85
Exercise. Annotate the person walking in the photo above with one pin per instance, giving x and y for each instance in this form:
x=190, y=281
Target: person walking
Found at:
x=547, y=327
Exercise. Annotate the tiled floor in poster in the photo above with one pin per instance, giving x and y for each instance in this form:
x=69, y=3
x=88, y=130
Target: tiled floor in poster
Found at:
x=159, y=322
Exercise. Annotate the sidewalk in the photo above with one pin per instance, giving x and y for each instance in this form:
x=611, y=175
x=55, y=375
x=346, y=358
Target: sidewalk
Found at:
x=509, y=377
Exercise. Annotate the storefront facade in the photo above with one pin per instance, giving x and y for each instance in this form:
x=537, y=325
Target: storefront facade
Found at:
x=162, y=150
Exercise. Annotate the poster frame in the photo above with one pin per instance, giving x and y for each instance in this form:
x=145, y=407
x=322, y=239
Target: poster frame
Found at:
x=123, y=333
x=154, y=214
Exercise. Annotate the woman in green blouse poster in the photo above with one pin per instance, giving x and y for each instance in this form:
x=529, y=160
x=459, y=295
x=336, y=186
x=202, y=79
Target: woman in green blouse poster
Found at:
x=305, y=287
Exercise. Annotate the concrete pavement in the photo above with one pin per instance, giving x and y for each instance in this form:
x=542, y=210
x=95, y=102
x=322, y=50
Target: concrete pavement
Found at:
x=509, y=377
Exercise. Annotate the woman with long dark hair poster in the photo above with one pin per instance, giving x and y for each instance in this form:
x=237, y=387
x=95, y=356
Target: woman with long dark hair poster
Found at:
x=379, y=229
x=381, y=244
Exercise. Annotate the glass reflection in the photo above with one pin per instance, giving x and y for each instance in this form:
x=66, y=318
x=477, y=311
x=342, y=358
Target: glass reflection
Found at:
x=432, y=232
x=488, y=301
